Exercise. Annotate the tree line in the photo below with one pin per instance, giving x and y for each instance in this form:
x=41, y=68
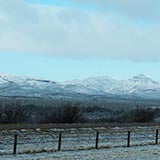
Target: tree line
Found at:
x=16, y=113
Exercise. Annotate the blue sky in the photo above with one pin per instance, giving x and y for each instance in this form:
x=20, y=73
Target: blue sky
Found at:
x=61, y=69
x=63, y=40
x=55, y=2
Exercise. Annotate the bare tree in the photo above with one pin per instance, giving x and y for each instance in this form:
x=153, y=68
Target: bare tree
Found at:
x=13, y=113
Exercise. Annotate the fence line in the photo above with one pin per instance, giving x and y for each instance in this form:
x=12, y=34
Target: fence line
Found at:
x=128, y=138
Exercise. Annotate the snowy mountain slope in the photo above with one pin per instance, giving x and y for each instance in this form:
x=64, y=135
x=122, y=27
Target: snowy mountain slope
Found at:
x=92, y=85
x=139, y=86
x=23, y=86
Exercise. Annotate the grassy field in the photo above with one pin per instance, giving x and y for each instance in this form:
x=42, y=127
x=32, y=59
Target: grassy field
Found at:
x=41, y=141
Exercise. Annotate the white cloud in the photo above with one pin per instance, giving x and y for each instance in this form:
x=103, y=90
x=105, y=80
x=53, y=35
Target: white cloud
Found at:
x=71, y=32
x=139, y=9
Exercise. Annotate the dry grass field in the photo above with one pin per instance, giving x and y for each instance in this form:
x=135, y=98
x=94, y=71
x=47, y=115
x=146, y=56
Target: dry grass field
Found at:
x=79, y=141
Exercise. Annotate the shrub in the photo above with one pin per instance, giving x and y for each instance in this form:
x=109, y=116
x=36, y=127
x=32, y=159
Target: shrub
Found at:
x=69, y=113
x=72, y=114
x=143, y=115
x=13, y=113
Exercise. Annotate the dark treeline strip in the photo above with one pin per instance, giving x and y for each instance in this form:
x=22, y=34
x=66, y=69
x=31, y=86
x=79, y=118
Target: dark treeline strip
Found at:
x=17, y=113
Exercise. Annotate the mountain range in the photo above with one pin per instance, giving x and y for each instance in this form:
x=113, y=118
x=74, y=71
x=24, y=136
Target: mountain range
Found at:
x=139, y=86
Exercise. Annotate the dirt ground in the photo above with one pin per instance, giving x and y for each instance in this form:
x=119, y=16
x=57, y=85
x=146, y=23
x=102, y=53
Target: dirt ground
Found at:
x=67, y=126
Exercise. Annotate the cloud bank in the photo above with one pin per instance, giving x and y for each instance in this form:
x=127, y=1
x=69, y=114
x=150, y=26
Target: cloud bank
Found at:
x=73, y=32
x=138, y=9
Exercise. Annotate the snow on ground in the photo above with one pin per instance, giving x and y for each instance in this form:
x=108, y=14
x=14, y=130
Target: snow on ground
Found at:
x=132, y=153
x=79, y=144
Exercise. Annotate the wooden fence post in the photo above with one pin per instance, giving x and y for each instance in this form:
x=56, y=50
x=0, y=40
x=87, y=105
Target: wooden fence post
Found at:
x=59, y=141
x=128, y=139
x=15, y=144
x=97, y=139
x=156, y=136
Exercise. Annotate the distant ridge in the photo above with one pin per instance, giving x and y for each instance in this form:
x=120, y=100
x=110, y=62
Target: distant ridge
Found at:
x=140, y=86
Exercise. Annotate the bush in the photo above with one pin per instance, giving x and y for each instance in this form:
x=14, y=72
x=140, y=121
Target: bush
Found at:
x=126, y=116
x=72, y=114
x=13, y=113
x=143, y=115
x=65, y=114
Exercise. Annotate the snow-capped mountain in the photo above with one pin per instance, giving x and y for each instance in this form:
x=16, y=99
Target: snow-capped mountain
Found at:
x=23, y=86
x=138, y=86
x=92, y=85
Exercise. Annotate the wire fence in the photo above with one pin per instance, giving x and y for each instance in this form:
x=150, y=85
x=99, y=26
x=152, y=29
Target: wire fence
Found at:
x=38, y=142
